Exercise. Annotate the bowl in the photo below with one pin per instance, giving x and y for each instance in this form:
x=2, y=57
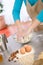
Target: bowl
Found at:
x=23, y=40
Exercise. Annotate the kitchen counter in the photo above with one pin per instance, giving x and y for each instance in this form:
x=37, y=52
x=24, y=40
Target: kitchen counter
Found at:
x=36, y=42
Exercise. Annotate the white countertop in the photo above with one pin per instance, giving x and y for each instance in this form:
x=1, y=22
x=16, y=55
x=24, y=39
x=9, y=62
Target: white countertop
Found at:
x=36, y=42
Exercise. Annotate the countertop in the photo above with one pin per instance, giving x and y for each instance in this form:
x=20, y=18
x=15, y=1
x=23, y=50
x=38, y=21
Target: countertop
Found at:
x=36, y=42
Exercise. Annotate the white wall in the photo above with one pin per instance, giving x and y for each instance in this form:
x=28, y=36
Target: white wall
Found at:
x=8, y=6
x=8, y=10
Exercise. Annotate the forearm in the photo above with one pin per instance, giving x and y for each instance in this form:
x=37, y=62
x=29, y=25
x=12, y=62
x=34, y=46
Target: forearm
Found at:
x=18, y=24
x=34, y=24
x=37, y=20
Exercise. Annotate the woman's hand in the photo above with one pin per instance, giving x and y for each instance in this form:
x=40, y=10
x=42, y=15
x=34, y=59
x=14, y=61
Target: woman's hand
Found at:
x=33, y=26
x=22, y=28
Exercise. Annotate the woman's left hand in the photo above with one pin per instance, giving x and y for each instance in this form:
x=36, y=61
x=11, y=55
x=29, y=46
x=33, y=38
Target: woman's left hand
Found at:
x=23, y=31
x=20, y=34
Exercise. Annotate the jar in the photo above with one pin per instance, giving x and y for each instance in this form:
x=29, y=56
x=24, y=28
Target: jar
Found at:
x=1, y=57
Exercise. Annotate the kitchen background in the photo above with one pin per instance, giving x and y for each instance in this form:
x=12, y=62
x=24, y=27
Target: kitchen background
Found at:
x=8, y=7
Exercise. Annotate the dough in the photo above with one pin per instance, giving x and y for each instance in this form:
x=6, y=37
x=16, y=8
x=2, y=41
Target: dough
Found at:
x=38, y=62
x=40, y=55
x=24, y=39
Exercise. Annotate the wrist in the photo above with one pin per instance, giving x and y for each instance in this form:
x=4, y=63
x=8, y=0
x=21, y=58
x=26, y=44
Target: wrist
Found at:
x=35, y=24
x=18, y=24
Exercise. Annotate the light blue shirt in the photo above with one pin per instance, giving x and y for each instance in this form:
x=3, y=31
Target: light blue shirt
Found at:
x=17, y=8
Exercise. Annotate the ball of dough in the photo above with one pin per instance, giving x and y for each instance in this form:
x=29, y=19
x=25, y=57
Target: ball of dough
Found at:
x=22, y=50
x=28, y=48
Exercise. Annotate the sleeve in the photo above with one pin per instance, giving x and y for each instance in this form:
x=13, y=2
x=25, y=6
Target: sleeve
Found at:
x=32, y=2
x=40, y=16
x=16, y=9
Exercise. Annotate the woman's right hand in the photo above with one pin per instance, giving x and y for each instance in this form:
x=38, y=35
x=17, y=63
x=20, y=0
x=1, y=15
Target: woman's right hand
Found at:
x=19, y=30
